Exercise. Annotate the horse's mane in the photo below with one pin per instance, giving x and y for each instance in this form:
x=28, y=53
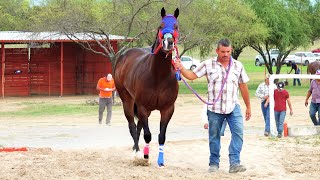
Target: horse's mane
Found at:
x=156, y=39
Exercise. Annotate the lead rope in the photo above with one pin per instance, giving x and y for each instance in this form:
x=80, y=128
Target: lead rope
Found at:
x=194, y=92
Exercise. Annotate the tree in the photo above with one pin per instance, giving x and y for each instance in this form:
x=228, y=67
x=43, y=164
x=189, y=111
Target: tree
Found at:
x=288, y=30
x=240, y=24
x=212, y=20
x=97, y=19
x=14, y=15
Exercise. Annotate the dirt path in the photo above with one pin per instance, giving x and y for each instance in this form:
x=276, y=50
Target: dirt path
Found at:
x=81, y=149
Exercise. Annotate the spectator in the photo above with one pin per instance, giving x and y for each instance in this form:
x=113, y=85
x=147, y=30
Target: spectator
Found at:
x=314, y=90
x=262, y=92
x=296, y=71
x=281, y=98
x=106, y=87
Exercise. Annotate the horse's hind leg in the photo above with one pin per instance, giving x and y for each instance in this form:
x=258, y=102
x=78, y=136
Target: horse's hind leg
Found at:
x=165, y=119
x=129, y=113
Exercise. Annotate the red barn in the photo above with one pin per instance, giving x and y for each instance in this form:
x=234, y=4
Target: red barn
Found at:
x=48, y=63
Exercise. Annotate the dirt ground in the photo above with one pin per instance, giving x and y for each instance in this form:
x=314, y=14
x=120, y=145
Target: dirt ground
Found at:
x=265, y=158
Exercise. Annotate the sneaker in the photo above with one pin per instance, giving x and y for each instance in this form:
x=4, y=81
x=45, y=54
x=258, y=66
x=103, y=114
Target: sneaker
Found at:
x=266, y=133
x=279, y=136
x=100, y=122
x=108, y=124
x=213, y=168
x=237, y=168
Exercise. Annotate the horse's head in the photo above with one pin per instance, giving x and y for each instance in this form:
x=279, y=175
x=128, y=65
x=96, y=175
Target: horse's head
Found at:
x=168, y=32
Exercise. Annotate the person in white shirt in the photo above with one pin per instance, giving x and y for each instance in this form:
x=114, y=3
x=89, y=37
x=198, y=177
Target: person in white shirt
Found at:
x=262, y=93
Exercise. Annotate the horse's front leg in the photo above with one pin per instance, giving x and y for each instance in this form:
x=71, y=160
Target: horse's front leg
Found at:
x=165, y=119
x=143, y=115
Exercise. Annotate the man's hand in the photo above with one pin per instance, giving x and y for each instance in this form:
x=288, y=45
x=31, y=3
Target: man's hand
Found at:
x=205, y=126
x=306, y=103
x=248, y=114
x=178, y=64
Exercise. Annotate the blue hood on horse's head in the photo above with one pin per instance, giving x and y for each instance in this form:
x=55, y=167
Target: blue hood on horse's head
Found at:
x=169, y=21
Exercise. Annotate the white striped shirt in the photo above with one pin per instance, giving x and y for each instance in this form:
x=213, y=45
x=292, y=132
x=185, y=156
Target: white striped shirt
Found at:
x=263, y=90
x=215, y=74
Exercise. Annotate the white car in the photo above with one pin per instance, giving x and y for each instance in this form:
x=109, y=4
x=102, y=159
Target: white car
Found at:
x=274, y=53
x=317, y=54
x=189, y=62
x=302, y=58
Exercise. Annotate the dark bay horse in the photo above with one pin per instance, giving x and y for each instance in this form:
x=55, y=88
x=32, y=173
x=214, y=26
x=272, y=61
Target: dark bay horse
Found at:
x=145, y=80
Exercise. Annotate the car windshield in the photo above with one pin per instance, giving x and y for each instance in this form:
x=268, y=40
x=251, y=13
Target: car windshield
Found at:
x=310, y=55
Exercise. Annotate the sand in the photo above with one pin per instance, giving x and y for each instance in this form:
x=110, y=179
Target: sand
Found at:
x=265, y=158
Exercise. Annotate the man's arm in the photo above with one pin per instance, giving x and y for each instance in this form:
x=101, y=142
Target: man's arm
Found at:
x=245, y=96
x=98, y=87
x=306, y=101
x=290, y=106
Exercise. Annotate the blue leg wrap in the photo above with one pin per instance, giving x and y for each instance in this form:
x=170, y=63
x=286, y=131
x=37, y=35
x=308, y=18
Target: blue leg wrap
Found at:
x=160, y=157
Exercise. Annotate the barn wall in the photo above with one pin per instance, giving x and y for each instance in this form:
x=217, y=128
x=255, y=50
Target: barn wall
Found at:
x=16, y=84
x=93, y=67
x=41, y=74
x=45, y=71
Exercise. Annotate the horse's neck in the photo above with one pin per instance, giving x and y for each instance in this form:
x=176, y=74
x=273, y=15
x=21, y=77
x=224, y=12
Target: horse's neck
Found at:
x=162, y=64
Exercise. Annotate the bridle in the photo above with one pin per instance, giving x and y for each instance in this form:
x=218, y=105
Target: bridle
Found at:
x=167, y=29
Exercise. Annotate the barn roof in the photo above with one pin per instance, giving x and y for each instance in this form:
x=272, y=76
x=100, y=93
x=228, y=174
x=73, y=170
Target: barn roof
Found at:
x=21, y=36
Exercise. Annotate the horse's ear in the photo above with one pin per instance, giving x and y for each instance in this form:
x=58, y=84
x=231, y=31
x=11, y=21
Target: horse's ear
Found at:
x=176, y=13
x=163, y=12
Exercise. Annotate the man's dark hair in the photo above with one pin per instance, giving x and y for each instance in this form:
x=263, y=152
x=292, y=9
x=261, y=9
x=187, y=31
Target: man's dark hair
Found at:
x=224, y=42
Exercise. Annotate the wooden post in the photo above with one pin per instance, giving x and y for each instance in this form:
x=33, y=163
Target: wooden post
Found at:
x=49, y=79
x=3, y=68
x=61, y=67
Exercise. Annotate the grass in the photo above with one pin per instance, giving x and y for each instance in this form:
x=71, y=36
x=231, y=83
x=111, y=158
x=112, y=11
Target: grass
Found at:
x=41, y=109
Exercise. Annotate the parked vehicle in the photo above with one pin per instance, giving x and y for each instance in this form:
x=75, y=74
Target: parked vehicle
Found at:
x=189, y=62
x=316, y=50
x=301, y=58
x=317, y=54
x=273, y=56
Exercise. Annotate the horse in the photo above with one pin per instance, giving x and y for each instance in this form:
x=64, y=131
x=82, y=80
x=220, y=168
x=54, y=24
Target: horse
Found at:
x=313, y=67
x=146, y=81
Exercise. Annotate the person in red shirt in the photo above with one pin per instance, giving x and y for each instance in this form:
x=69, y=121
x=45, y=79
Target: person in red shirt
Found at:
x=281, y=98
x=105, y=86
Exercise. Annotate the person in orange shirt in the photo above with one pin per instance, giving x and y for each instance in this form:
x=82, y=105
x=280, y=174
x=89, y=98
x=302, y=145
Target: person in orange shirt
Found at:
x=105, y=86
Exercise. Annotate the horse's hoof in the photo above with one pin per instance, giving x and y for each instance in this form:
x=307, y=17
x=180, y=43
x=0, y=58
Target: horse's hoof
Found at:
x=161, y=165
x=136, y=155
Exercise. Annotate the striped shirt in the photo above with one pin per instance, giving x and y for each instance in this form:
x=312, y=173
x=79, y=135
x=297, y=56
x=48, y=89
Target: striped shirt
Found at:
x=216, y=74
x=263, y=90
x=315, y=91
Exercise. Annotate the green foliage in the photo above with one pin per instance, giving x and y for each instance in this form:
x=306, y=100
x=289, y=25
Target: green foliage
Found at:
x=288, y=29
x=14, y=15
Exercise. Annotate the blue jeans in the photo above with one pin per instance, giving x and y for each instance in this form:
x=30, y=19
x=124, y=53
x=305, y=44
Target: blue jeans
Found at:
x=279, y=117
x=235, y=122
x=314, y=108
x=298, y=80
x=266, y=116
